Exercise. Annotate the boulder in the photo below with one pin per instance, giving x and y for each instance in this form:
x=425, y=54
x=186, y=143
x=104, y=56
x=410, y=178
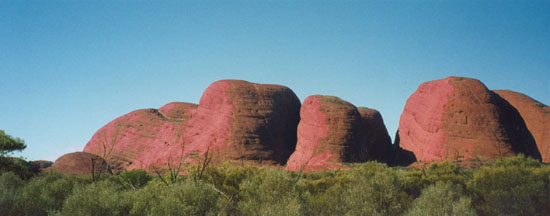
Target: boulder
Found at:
x=329, y=134
x=459, y=119
x=536, y=116
x=80, y=163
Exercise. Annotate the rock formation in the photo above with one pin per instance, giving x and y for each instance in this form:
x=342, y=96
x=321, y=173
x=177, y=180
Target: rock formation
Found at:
x=139, y=139
x=536, y=116
x=240, y=120
x=329, y=133
x=458, y=119
x=235, y=120
x=378, y=141
x=40, y=164
x=80, y=163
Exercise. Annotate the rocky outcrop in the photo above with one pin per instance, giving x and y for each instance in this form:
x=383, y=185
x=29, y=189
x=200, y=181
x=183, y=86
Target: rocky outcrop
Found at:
x=40, y=164
x=329, y=133
x=240, y=120
x=376, y=137
x=177, y=110
x=235, y=120
x=458, y=119
x=536, y=116
x=80, y=163
x=139, y=139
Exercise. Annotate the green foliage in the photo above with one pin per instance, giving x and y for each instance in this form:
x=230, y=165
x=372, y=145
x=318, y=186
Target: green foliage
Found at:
x=447, y=172
x=17, y=166
x=9, y=144
x=443, y=199
x=135, y=179
x=99, y=198
x=10, y=184
x=182, y=198
x=269, y=192
x=45, y=192
x=511, y=186
x=369, y=189
x=510, y=190
x=517, y=161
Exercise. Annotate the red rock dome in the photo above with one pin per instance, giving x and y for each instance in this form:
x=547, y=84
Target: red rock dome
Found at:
x=459, y=118
x=536, y=116
x=80, y=163
x=329, y=133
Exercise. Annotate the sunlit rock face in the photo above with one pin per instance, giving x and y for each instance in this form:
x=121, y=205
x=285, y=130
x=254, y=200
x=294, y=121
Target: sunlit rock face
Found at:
x=235, y=120
x=459, y=118
x=139, y=139
x=80, y=163
x=329, y=134
x=536, y=116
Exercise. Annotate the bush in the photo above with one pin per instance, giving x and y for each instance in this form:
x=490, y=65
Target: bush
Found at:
x=135, y=179
x=99, y=198
x=444, y=199
x=182, y=198
x=369, y=189
x=513, y=190
x=45, y=192
x=418, y=179
x=9, y=188
x=268, y=192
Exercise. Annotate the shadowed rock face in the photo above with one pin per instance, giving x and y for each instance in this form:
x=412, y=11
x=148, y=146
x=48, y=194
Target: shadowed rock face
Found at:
x=459, y=118
x=79, y=163
x=40, y=164
x=235, y=120
x=329, y=133
x=378, y=141
x=536, y=116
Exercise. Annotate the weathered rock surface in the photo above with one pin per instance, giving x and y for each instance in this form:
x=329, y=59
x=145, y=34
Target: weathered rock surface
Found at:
x=378, y=141
x=235, y=120
x=240, y=120
x=177, y=110
x=80, y=163
x=138, y=139
x=459, y=118
x=329, y=133
x=536, y=116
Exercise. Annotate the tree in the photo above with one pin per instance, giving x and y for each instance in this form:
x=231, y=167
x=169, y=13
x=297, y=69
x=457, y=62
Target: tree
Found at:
x=10, y=144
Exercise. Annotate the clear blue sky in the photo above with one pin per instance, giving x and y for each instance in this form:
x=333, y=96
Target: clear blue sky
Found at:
x=69, y=67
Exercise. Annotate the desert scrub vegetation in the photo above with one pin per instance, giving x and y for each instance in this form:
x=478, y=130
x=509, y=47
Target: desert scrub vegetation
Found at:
x=509, y=186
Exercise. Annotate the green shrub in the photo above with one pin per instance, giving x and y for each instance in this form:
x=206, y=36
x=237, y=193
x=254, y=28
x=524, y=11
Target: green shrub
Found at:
x=135, y=179
x=268, y=192
x=417, y=179
x=442, y=199
x=46, y=192
x=9, y=188
x=370, y=189
x=186, y=197
x=513, y=190
x=99, y=198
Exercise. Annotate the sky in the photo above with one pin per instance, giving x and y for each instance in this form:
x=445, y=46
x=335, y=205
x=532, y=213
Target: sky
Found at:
x=69, y=67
